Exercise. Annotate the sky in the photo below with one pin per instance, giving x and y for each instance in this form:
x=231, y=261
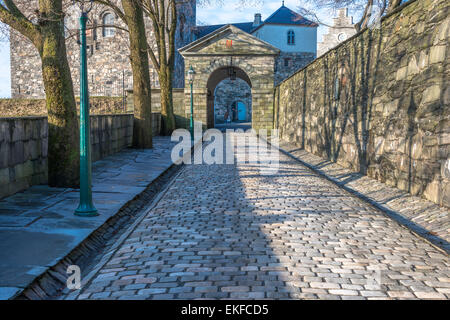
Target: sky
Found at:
x=229, y=12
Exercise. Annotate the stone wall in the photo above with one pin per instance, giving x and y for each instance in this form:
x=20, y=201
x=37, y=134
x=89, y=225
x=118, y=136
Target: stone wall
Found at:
x=24, y=145
x=379, y=102
x=23, y=153
x=108, y=57
x=110, y=134
x=181, y=119
x=36, y=107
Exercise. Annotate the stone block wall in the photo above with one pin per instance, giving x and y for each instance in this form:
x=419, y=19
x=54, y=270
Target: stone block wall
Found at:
x=110, y=134
x=114, y=132
x=379, y=102
x=24, y=145
x=23, y=153
x=37, y=107
x=178, y=108
x=287, y=63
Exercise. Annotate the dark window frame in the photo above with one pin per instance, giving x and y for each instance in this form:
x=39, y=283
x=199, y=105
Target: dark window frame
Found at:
x=291, y=37
x=107, y=31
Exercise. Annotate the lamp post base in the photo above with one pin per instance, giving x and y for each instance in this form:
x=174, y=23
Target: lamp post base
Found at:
x=86, y=211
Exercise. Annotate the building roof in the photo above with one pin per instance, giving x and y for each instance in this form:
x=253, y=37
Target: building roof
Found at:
x=283, y=15
x=213, y=44
x=202, y=31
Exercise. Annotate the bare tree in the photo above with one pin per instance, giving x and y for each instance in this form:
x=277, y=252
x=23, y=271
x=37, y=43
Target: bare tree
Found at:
x=42, y=22
x=131, y=14
x=367, y=8
x=163, y=17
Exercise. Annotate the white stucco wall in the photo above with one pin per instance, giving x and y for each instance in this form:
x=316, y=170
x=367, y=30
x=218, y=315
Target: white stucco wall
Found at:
x=276, y=35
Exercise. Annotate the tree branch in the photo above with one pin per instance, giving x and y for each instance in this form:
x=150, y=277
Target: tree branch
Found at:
x=13, y=17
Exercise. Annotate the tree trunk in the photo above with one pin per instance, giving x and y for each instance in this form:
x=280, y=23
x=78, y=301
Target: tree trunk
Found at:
x=366, y=16
x=168, y=118
x=394, y=4
x=63, y=127
x=142, y=132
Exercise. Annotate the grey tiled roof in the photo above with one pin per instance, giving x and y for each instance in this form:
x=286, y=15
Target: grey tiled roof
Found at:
x=202, y=31
x=284, y=15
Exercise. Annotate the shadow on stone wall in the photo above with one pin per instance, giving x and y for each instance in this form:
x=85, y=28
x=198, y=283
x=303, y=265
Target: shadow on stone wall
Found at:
x=377, y=103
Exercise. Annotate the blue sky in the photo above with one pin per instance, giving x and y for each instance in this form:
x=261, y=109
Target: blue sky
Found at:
x=230, y=12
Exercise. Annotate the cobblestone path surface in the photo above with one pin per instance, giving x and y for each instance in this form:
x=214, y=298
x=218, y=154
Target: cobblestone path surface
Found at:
x=225, y=231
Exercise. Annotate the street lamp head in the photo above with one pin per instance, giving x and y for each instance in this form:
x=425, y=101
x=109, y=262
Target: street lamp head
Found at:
x=84, y=5
x=191, y=75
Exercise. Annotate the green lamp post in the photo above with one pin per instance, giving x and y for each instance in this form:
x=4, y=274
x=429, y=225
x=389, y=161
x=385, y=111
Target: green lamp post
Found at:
x=86, y=207
x=191, y=78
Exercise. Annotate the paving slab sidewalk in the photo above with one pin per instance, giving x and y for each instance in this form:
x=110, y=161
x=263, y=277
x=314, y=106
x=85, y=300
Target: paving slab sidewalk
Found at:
x=424, y=217
x=38, y=228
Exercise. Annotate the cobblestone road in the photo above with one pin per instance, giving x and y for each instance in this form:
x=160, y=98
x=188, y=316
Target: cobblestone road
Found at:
x=225, y=231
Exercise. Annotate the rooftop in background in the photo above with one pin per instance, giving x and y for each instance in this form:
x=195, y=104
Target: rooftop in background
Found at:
x=283, y=16
x=202, y=31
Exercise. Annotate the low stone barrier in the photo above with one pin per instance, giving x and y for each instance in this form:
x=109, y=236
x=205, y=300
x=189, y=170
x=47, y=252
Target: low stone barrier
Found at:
x=23, y=153
x=179, y=110
x=110, y=134
x=24, y=146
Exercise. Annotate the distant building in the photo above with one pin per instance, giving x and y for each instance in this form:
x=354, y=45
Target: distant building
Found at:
x=343, y=28
x=109, y=65
x=286, y=30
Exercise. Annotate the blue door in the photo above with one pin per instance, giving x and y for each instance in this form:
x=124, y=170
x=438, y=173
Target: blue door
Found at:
x=242, y=111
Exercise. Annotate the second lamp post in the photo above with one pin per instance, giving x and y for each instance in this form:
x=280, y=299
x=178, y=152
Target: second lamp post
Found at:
x=191, y=78
x=86, y=207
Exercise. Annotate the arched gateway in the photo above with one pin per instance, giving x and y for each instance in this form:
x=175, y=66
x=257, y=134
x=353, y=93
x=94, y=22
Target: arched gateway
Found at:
x=231, y=53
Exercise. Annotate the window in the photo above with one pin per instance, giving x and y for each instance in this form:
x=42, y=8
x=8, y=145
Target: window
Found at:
x=108, y=21
x=287, y=62
x=291, y=37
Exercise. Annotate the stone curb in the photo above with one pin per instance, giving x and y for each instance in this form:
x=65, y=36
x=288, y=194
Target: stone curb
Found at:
x=107, y=257
x=50, y=281
x=141, y=216
x=46, y=283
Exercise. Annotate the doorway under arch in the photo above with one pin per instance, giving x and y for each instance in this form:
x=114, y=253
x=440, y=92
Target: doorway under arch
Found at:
x=229, y=76
x=232, y=102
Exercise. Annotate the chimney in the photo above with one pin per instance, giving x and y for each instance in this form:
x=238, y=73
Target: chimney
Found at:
x=258, y=20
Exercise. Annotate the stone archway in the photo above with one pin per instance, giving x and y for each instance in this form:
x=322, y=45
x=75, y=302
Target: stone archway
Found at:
x=230, y=50
x=215, y=79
